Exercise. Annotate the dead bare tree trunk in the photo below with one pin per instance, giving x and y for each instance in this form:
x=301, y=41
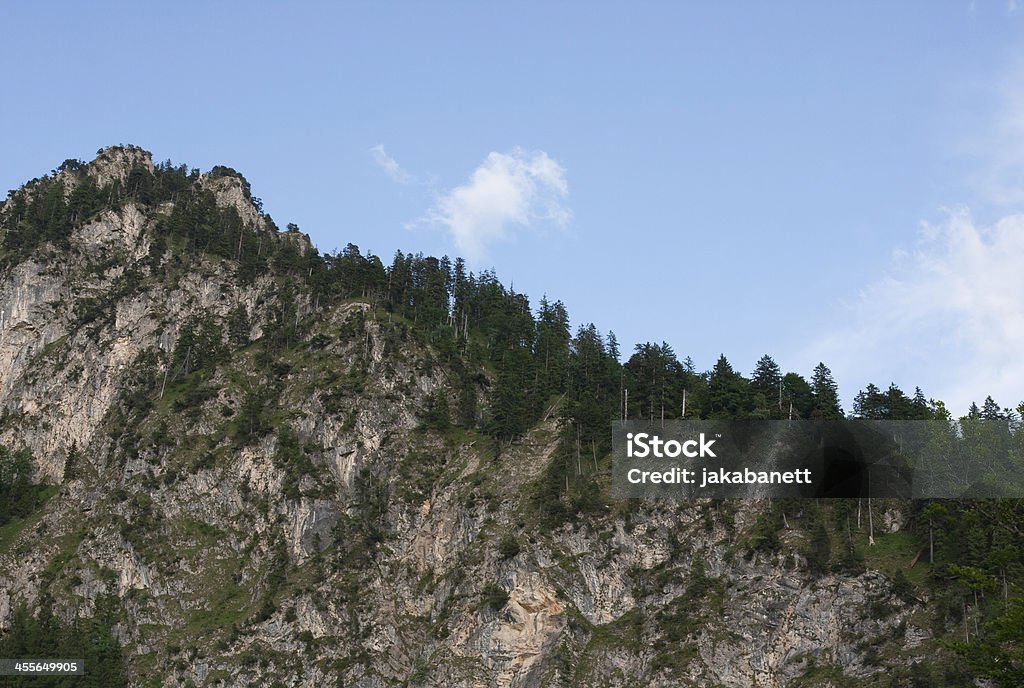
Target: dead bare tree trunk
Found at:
x=871, y=525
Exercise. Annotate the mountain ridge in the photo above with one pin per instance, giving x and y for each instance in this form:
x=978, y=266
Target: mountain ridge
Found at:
x=276, y=467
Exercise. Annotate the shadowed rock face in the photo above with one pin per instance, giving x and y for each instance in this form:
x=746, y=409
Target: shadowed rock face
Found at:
x=280, y=514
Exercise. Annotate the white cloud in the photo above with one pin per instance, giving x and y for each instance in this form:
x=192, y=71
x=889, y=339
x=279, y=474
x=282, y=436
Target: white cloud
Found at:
x=507, y=191
x=949, y=316
x=390, y=165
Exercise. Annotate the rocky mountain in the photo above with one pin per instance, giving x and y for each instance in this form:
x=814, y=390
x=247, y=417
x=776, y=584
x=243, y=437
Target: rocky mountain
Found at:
x=267, y=471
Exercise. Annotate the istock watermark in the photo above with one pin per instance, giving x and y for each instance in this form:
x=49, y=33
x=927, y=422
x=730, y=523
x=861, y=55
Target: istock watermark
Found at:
x=756, y=459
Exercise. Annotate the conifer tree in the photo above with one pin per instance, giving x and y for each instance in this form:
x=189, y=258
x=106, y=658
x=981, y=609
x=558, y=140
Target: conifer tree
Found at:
x=767, y=377
x=728, y=394
x=766, y=389
x=826, y=394
x=869, y=403
x=797, y=393
x=552, y=346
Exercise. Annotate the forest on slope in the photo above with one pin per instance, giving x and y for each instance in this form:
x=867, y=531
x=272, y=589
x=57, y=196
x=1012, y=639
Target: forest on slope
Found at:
x=510, y=366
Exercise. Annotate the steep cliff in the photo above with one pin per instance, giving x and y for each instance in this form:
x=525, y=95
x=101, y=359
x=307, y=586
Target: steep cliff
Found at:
x=252, y=487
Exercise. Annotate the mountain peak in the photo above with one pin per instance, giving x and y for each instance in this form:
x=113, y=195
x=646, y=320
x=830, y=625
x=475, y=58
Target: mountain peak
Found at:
x=232, y=189
x=115, y=162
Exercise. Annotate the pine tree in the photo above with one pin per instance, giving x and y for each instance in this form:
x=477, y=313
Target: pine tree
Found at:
x=238, y=326
x=898, y=403
x=766, y=387
x=656, y=381
x=919, y=406
x=826, y=394
x=767, y=377
x=728, y=394
x=869, y=403
x=612, y=345
x=797, y=392
x=552, y=346
x=990, y=410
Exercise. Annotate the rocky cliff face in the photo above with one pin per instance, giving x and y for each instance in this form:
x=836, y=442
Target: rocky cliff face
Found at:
x=278, y=512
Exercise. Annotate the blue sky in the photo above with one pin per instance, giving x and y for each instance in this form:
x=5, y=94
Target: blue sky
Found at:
x=818, y=181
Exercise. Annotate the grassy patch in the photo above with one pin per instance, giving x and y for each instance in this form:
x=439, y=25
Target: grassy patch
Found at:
x=894, y=552
x=55, y=349
x=823, y=675
x=10, y=531
x=68, y=546
x=226, y=607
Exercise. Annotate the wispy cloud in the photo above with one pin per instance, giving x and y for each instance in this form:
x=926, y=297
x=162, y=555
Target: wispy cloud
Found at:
x=949, y=313
x=390, y=165
x=999, y=148
x=508, y=191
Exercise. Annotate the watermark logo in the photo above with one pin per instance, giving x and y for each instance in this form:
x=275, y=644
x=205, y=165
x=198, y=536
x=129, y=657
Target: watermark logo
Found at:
x=641, y=445
x=757, y=459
